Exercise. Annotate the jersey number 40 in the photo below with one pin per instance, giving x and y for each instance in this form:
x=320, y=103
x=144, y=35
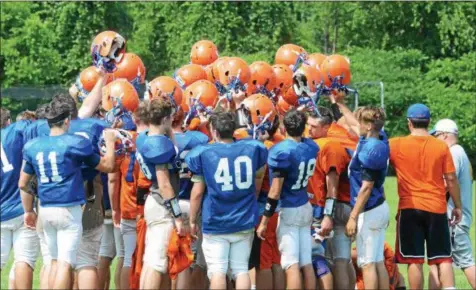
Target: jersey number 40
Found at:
x=223, y=176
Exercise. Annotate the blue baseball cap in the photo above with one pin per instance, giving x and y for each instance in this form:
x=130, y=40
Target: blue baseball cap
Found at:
x=418, y=111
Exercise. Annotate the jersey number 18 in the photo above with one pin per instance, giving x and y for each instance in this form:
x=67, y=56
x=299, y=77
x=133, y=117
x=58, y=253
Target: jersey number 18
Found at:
x=305, y=172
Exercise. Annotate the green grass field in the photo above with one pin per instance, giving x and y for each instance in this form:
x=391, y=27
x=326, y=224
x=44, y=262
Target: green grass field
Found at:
x=392, y=197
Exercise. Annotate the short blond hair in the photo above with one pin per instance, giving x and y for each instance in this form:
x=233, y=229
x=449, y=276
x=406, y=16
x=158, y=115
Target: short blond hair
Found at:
x=374, y=115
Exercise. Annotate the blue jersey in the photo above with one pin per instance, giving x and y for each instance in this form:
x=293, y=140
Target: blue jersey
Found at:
x=370, y=158
x=11, y=146
x=36, y=129
x=152, y=151
x=229, y=170
x=295, y=161
x=90, y=129
x=186, y=142
x=56, y=161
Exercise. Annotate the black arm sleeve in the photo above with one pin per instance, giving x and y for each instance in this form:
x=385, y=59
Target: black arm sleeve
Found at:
x=369, y=174
x=336, y=112
x=278, y=173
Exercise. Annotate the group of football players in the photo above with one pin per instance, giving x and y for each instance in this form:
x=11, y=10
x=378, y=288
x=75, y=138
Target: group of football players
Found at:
x=224, y=175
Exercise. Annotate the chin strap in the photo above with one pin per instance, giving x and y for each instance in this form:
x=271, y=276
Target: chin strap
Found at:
x=300, y=60
x=82, y=92
x=102, y=61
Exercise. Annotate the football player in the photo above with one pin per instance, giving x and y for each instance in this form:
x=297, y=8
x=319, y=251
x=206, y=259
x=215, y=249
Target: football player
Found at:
x=186, y=141
x=92, y=222
x=323, y=187
x=370, y=213
x=291, y=163
x=261, y=117
x=156, y=154
x=122, y=184
x=56, y=161
x=230, y=171
x=143, y=186
x=14, y=232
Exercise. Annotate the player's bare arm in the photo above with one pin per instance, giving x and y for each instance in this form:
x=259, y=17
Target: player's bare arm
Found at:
x=167, y=192
x=362, y=198
x=349, y=118
x=91, y=102
x=271, y=204
x=114, y=190
x=332, y=183
x=259, y=179
x=27, y=199
x=106, y=164
x=196, y=202
x=453, y=188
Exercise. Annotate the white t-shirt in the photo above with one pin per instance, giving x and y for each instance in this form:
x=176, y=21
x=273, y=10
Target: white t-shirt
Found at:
x=464, y=173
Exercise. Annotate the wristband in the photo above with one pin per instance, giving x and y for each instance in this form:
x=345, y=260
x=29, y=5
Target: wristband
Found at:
x=270, y=208
x=173, y=207
x=329, y=208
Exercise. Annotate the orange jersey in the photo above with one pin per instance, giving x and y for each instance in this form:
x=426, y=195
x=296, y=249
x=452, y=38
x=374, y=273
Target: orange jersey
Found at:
x=331, y=155
x=142, y=181
x=349, y=142
x=129, y=170
x=420, y=163
x=179, y=253
x=390, y=265
x=347, y=139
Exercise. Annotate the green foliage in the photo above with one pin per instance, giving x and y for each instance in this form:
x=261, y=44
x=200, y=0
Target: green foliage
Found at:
x=450, y=91
x=421, y=51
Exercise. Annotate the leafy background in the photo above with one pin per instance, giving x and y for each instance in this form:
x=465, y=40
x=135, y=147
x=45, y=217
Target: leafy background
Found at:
x=421, y=51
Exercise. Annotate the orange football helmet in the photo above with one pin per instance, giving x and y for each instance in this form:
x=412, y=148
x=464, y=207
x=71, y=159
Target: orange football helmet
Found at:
x=261, y=112
x=284, y=78
x=108, y=49
x=120, y=93
x=200, y=97
x=290, y=96
x=86, y=81
x=282, y=106
x=204, y=52
x=233, y=68
x=315, y=59
x=262, y=78
x=164, y=85
x=313, y=75
x=131, y=68
x=213, y=74
x=202, y=91
x=291, y=55
x=189, y=73
x=336, y=66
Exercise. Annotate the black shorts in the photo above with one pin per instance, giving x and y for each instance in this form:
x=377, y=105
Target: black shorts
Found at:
x=414, y=228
